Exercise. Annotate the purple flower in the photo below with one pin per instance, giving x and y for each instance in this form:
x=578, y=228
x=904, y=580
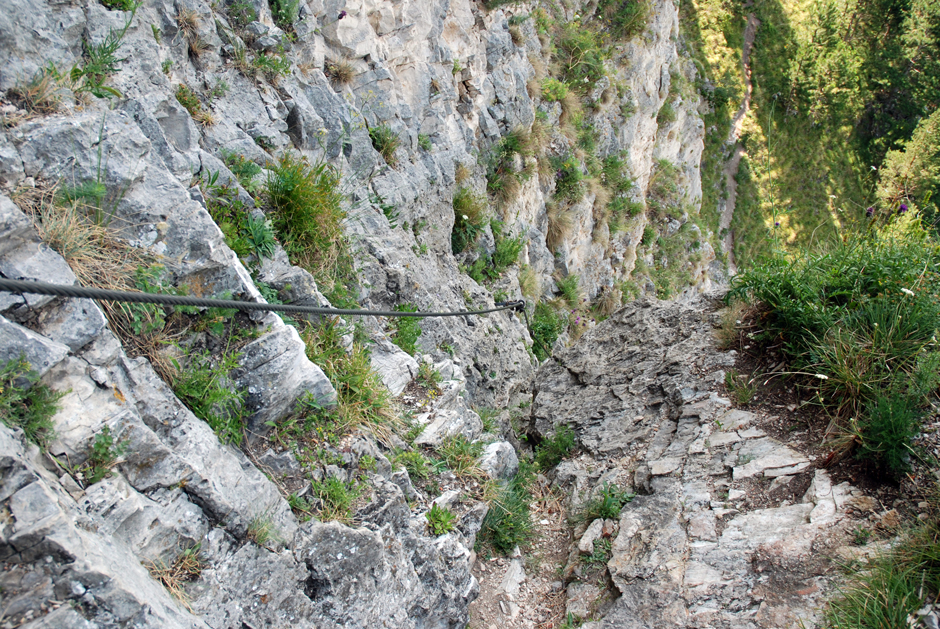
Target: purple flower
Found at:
x=777, y=224
x=342, y=14
x=902, y=209
x=870, y=212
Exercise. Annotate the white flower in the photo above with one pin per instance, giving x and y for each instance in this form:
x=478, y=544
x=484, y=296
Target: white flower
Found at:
x=907, y=291
x=466, y=218
x=822, y=376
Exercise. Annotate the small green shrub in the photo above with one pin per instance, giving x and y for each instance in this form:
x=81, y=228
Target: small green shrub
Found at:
x=440, y=520
x=428, y=376
x=741, y=388
x=101, y=62
x=649, y=236
x=104, y=453
x=415, y=463
x=285, y=13
x=204, y=386
x=569, y=178
x=553, y=90
x=386, y=142
x=27, y=403
x=242, y=13
x=508, y=522
x=244, y=170
x=667, y=114
x=336, y=499
x=624, y=18
x=568, y=287
x=547, y=325
x=553, y=449
x=469, y=219
x=889, y=426
x=606, y=504
x=407, y=329
x=189, y=100
x=424, y=142
x=306, y=211
x=121, y=5
x=460, y=454
x=581, y=54
x=273, y=65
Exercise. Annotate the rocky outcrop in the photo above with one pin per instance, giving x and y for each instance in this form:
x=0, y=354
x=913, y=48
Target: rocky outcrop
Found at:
x=723, y=531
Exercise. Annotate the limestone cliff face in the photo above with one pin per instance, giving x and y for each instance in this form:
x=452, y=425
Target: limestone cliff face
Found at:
x=439, y=71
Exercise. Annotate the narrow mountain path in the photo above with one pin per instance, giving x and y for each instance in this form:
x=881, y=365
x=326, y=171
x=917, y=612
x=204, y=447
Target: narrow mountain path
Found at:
x=731, y=167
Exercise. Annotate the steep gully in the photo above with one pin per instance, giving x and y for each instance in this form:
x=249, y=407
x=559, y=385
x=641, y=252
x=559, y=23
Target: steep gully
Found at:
x=730, y=170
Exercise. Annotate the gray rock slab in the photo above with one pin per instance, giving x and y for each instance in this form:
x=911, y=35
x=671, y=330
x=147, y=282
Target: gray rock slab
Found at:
x=40, y=352
x=499, y=461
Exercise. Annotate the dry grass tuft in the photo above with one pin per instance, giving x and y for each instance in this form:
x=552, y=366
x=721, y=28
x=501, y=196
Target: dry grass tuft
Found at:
x=185, y=568
x=40, y=95
x=515, y=33
x=560, y=224
x=728, y=333
x=609, y=301
x=340, y=71
x=528, y=282
x=462, y=173
x=188, y=22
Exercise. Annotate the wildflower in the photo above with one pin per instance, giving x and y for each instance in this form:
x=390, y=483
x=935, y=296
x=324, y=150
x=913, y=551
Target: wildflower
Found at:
x=342, y=14
x=822, y=376
x=870, y=212
x=466, y=218
x=777, y=224
x=323, y=131
x=902, y=209
x=907, y=291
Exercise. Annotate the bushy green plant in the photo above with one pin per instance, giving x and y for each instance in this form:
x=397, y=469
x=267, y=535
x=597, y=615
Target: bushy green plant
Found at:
x=188, y=99
x=415, y=463
x=568, y=287
x=624, y=18
x=547, y=325
x=606, y=503
x=101, y=61
x=553, y=90
x=569, y=178
x=285, y=13
x=407, y=329
x=667, y=114
x=460, y=454
x=890, y=424
x=440, y=519
x=888, y=589
x=581, y=55
x=203, y=384
x=363, y=400
x=273, y=65
x=104, y=452
x=27, y=403
x=306, y=210
x=386, y=142
x=469, y=219
x=553, y=449
x=336, y=499
x=508, y=522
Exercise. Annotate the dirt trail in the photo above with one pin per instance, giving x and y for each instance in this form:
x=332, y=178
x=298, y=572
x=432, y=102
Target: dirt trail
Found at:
x=731, y=166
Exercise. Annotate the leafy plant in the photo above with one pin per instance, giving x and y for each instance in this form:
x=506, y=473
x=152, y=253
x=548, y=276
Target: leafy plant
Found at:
x=606, y=504
x=203, y=384
x=624, y=18
x=306, y=210
x=285, y=13
x=547, y=325
x=122, y=5
x=424, y=142
x=440, y=519
x=104, y=453
x=428, y=375
x=889, y=426
x=666, y=115
x=407, y=329
x=553, y=449
x=336, y=499
x=415, y=463
x=581, y=55
x=569, y=178
x=741, y=388
x=469, y=219
x=386, y=142
x=101, y=62
x=27, y=403
x=553, y=90
x=460, y=454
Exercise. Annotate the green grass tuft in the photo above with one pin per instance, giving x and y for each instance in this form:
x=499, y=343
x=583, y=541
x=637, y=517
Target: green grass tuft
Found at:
x=27, y=403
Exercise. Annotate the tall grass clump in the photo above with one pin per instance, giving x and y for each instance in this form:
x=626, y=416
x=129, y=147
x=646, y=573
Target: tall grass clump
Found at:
x=889, y=589
x=26, y=403
x=508, y=523
x=624, y=18
x=858, y=321
x=306, y=210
